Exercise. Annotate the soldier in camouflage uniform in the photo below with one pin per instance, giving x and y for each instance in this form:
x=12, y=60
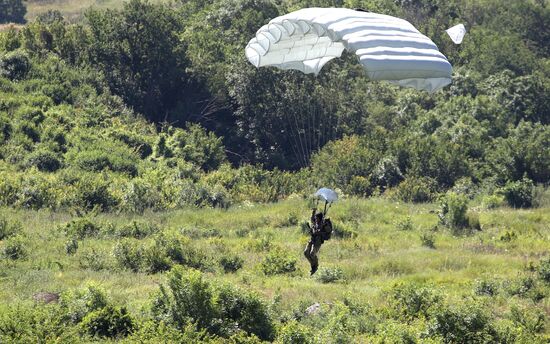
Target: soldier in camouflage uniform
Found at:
x=320, y=230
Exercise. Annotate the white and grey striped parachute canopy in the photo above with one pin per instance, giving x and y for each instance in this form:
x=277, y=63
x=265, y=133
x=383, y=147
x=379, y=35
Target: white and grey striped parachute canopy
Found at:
x=389, y=48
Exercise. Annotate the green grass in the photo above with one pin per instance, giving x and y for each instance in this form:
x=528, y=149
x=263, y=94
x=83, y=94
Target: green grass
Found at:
x=379, y=257
x=72, y=10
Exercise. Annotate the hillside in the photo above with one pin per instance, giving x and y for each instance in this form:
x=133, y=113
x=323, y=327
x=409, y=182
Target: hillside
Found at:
x=154, y=184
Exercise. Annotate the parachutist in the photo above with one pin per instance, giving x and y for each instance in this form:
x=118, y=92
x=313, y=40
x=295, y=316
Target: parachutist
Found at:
x=320, y=230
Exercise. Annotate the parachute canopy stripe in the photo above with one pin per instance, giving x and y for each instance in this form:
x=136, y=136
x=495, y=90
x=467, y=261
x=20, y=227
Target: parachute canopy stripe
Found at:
x=389, y=48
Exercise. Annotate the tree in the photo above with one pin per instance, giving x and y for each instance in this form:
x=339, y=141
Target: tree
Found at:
x=12, y=11
x=141, y=55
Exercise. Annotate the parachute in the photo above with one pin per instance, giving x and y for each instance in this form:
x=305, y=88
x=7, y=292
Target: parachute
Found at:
x=389, y=48
x=327, y=195
x=456, y=33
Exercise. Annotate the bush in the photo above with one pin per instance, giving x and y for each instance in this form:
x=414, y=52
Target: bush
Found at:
x=82, y=227
x=187, y=298
x=405, y=225
x=466, y=323
x=416, y=190
x=9, y=228
x=128, y=255
x=92, y=190
x=14, y=65
x=427, y=239
x=293, y=332
x=78, y=303
x=12, y=11
x=155, y=258
x=343, y=230
x=544, y=270
x=71, y=246
x=452, y=213
x=492, y=201
x=243, y=311
x=93, y=260
x=519, y=194
x=532, y=321
x=277, y=262
x=136, y=229
x=43, y=160
x=330, y=275
x=23, y=323
x=110, y=321
x=14, y=248
x=231, y=263
x=485, y=288
x=410, y=301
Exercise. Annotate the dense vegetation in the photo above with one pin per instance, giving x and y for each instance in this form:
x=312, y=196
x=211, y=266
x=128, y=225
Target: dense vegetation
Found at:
x=153, y=106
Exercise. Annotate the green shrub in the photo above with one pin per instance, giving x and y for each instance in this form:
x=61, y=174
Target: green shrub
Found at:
x=92, y=190
x=508, y=236
x=231, y=263
x=23, y=323
x=544, y=270
x=405, y=225
x=244, y=311
x=36, y=191
x=14, y=248
x=82, y=227
x=531, y=320
x=427, y=239
x=343, y=230
x=136, y=229
x=181, y=251
x=521, y=286
x=466, y=323
x=485, y=287
x=71, y=246
x=452, y=212
x=43, y=160
x=9, y=228
x=292, y=332
x=155, y=258
x=128, y=255
x=110, y=321
x=77, y=303
x=410, y=301
x=519, y=194
x=277, y=262
x=541, y=196
x=492, y=201
x=93, y=260
x=416, y=190
x=187, y=298
x=394, y=332
x=14, y=65
x=330, y=275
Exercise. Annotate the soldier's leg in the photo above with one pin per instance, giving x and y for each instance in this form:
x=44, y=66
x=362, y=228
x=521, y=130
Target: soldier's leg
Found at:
x=307, y=251
x=314, y=259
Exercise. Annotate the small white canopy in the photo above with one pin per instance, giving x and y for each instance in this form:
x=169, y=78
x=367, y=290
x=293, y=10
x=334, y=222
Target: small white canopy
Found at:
x=457, y=33
x=389, y=48
x=327, y=195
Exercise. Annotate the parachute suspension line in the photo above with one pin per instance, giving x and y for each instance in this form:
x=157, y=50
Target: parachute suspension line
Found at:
x=290, y=134
x=300, y=156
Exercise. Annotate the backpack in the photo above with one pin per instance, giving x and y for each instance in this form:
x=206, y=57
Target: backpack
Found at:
x=326, y=231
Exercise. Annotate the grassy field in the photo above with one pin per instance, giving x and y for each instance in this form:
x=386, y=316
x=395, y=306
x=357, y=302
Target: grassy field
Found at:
x=384, y=247
x=72, y=10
